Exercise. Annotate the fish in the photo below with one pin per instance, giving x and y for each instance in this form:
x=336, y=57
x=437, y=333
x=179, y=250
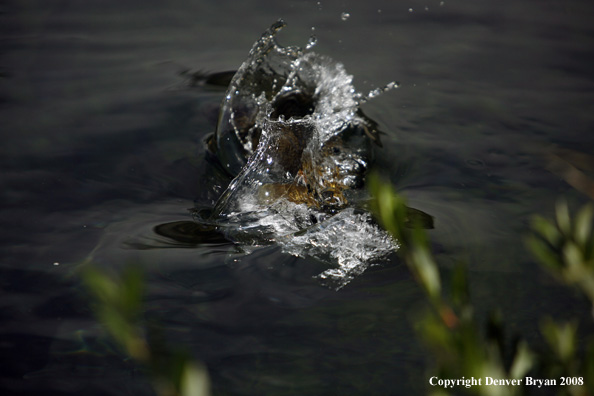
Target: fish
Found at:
x=291, y=120
x=292, y=135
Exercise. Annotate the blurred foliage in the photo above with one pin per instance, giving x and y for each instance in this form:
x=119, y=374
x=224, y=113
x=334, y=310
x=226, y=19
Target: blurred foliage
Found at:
x=566, y=247
x=118, y=305
x=464, y=349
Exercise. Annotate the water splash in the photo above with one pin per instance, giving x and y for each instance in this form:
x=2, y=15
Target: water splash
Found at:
x=291, y=130
x=312, y=39
x=378, y=91
x=350, y=237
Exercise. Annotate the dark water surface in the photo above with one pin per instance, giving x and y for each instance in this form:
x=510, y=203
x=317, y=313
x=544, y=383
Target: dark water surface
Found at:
x=103, y=140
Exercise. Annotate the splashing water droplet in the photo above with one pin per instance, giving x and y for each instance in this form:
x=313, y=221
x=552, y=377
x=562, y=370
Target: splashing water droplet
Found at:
x=344, y=16
x=312, y=40
x=378, y=91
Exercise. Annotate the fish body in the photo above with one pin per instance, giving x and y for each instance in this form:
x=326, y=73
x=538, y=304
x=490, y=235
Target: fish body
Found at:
x=291, y=133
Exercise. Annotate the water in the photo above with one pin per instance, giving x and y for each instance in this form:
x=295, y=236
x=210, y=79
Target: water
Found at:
x=104, y=141
x=291, y=132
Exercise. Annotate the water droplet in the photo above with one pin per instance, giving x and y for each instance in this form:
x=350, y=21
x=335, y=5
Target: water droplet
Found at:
x=410, y=10
x=278, y=25
x=312, y=41
x=378, y=91
x=56, y=263
x=344, y=16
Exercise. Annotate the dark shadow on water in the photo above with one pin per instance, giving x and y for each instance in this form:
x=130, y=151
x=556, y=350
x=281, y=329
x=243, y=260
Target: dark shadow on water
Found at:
x=191, y=233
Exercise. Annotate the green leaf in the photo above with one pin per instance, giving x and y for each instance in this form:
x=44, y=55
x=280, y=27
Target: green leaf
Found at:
x=563, y=217
x=523, y=361
x=388, y=206
x=100, y=285
x=561, y=338
x=194, y=381
x=438, y=336
x=547, y=230
x=118, y=326
x=423, y=265
x=460, y=294
x=583, y=228
x=132, y=285
x=542, y=251
x=574, y=263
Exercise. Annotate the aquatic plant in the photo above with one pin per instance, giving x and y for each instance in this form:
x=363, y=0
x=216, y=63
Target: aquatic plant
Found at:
x=449, y=328
x=566, y=247
x=118, y=305
x=465, y=353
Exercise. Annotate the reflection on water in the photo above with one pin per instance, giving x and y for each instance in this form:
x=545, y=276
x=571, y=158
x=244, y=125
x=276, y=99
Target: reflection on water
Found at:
x=104, y=142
